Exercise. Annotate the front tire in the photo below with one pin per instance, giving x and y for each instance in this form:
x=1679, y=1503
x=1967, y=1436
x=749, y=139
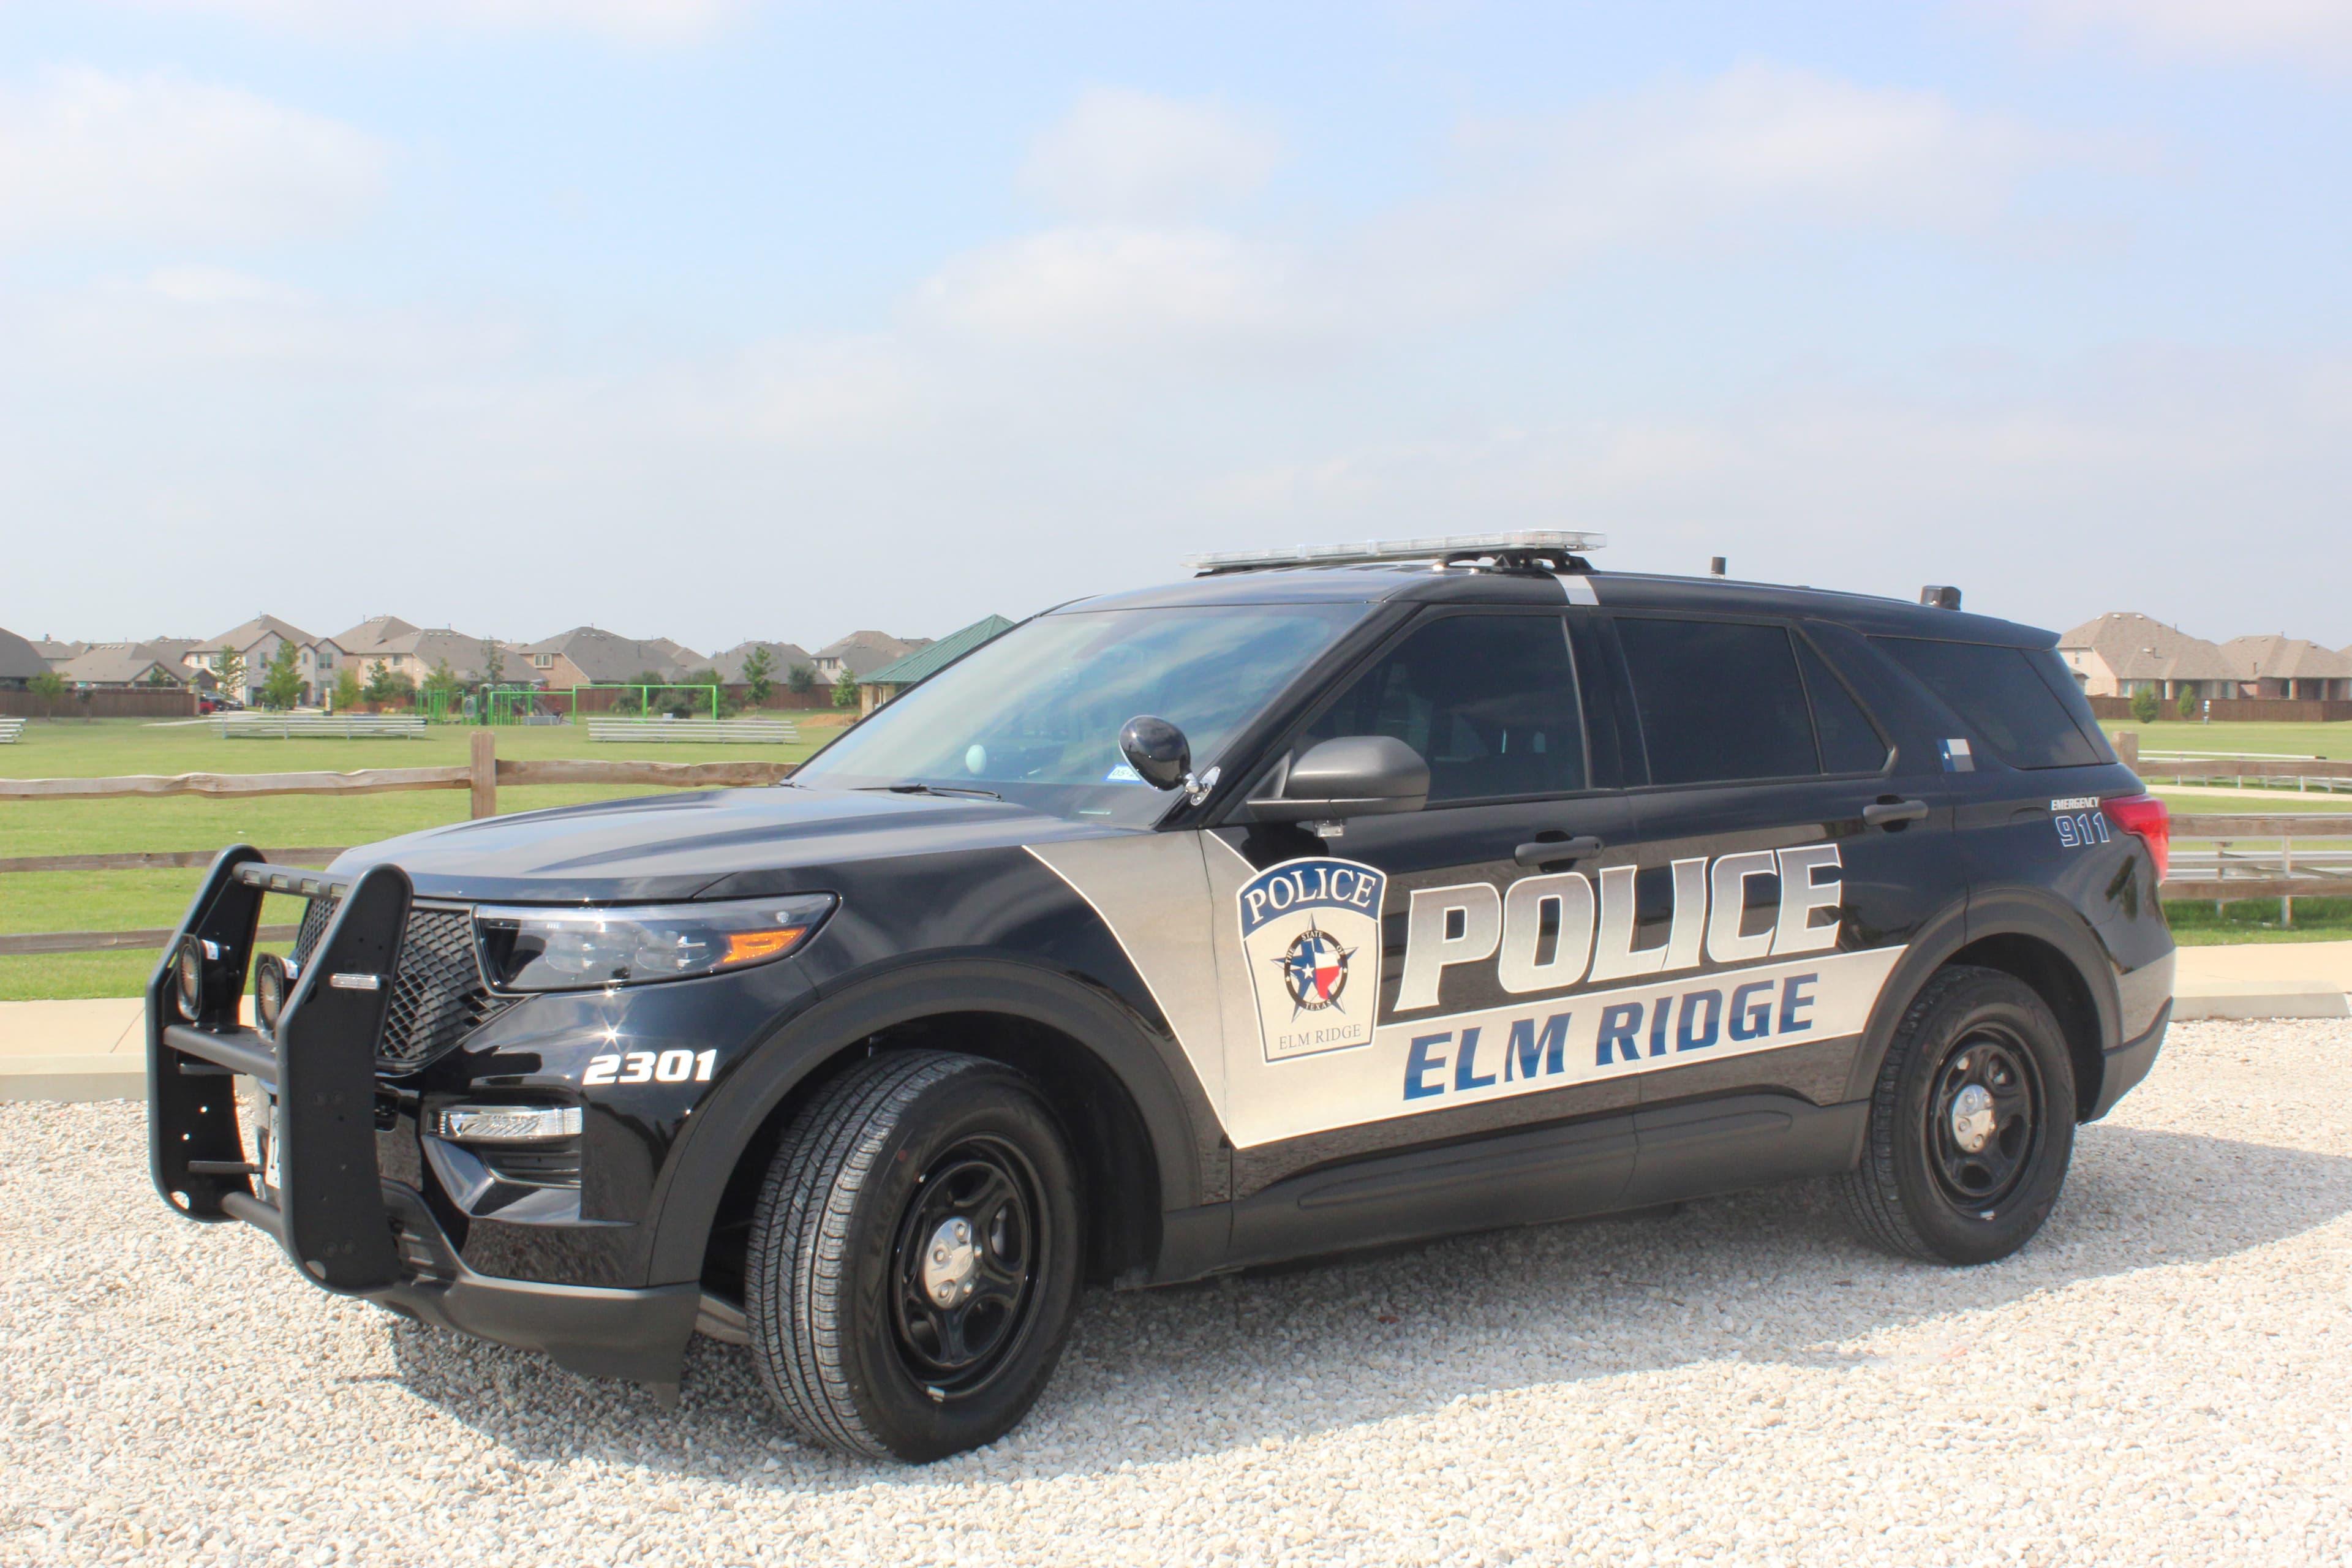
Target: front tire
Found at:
x=914, y=1258
x=1971, y=1123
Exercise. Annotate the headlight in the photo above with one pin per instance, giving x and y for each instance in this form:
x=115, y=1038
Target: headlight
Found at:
x=572, y=949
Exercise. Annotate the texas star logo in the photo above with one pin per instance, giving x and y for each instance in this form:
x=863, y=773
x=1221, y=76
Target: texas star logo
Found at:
x=1315, y=971
x=1311, y=930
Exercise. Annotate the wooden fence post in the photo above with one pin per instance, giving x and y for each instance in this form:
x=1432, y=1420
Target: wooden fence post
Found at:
x=2127, y=749
x=486, y=773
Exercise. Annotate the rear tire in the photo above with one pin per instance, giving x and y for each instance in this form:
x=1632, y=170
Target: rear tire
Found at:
x=914, y=1258
x=1971, y=1123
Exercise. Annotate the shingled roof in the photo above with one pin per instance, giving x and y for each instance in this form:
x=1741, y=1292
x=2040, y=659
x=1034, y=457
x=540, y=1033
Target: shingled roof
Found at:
x=938, y=655
x=19, y=660
x=2140, y=648
x=2287, y=659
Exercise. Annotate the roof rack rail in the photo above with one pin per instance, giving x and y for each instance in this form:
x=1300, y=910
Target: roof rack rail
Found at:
x=1551, y=550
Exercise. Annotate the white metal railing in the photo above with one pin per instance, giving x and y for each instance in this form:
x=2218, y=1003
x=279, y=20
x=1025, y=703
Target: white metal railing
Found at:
x=9, y=730
x=756, y=732
x=286, y=726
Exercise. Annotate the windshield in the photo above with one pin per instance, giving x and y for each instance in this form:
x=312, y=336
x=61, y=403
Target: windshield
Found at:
x=1034, y=716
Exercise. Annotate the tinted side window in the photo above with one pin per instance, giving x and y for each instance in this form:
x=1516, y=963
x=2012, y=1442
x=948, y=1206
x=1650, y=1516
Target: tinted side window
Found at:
x=1488, y=700
x=2002, y=697
x=1849, y=744
x=1719, y=701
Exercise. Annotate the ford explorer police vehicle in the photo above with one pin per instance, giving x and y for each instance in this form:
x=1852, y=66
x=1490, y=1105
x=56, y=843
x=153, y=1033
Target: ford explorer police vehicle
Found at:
x=1332, y=899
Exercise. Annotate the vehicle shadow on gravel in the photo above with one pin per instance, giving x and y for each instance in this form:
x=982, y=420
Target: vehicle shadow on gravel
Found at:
x=1767, y=1277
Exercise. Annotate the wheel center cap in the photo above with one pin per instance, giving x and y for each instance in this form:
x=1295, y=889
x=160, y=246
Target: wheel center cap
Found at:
x=1972, y=1117
x=950, y=1262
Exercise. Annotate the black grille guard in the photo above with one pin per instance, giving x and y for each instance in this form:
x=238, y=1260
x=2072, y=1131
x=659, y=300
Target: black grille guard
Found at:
x=331, y=1216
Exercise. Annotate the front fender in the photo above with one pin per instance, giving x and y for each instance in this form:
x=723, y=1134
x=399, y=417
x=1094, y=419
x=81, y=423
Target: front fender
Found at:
x=1179, y=1123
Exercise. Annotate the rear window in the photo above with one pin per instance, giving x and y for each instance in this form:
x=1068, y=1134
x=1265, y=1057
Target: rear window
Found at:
x=1720, y=702
x=2005, y=695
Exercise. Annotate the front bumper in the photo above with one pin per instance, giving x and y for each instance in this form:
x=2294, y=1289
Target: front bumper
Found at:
x=347, y=1229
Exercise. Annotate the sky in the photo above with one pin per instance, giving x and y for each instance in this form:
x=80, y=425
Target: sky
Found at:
x=713, y=319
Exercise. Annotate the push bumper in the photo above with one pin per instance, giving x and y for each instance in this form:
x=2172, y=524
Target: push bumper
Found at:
x=346, y=1229
x=2123, y=1067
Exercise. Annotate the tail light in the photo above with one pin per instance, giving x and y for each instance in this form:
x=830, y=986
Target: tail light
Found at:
x=2149, y=820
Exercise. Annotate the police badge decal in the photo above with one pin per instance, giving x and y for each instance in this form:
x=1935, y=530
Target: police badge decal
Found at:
x=1311, y=931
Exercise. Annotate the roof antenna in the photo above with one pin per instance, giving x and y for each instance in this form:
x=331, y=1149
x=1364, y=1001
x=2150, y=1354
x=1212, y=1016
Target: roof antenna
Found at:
x=1715, y=566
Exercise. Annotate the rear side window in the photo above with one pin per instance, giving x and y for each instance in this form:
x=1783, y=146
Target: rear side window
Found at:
x=2003, y=695
x=1720, y=702
x=1488, y=700
x=1850, y=743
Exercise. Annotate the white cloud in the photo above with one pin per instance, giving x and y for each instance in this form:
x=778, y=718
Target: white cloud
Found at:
x=1757, y=150
x=157, y=155
x=2300, y=31
x=1116, y=286
x=1124, y=152
x=629, y=19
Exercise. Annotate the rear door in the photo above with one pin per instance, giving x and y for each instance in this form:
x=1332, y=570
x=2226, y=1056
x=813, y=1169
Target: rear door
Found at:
x=1780, y=861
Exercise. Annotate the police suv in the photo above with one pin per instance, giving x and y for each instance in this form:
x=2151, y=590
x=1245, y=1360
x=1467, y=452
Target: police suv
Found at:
x=1332, y=899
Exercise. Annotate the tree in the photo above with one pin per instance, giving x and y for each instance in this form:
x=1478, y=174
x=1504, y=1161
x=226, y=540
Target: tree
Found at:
x=386, y=686
x=2144, y=704
x=232, y=674
x=51, y=687
x=347, y=688
x=494, y=662
x=695, y=704
x=758, y=676
x=646, y=698
x=281, y=683
x=157, y=676
x=844, y=688
x=443, y=683
x=802, y=679
x=2188, y=702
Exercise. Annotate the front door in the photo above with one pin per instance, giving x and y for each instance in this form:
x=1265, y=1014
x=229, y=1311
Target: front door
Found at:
x=1393, y=983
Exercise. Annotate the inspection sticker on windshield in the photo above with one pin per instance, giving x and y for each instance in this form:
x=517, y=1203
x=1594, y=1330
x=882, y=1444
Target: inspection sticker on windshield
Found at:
x=1122, y=774
x=1311, y=930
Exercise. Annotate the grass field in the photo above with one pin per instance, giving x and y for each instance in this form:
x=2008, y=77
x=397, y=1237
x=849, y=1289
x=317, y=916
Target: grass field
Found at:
x=131, y=900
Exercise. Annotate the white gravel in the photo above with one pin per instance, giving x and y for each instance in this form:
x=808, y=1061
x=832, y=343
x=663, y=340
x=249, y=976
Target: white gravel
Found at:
x=2165, y=1376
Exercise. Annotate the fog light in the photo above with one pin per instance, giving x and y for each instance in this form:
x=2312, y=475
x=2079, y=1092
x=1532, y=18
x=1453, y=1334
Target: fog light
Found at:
x=193, y=953
x=273, y=979
x=507, y=1123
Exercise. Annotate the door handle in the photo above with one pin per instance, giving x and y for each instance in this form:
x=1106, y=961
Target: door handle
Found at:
x=1545, y=851
x=1878, y=814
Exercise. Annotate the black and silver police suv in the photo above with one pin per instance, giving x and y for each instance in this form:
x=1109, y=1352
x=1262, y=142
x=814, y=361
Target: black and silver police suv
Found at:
x=1328, y=899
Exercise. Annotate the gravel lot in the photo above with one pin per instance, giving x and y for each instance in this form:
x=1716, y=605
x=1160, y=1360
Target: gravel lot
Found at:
x=2165, y=1375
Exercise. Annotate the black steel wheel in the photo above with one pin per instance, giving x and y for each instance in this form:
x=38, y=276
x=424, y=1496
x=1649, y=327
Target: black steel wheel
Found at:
x=914, y=1258
x=1971, y=1122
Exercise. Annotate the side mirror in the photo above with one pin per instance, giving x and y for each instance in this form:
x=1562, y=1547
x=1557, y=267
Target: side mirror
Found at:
x=1156, y=750
x=1162, y=758
x=1352, y=775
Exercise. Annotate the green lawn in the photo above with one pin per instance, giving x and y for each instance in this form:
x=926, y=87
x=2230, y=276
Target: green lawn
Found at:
x=2257, y=920
x=2242, y=739
x=131, y=900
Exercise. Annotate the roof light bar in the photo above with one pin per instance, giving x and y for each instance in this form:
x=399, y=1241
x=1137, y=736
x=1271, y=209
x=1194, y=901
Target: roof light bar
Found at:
x=1537, y=542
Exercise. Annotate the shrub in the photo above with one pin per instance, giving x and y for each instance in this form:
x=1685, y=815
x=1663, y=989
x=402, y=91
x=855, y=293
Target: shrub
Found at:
x=800, y=679
x=844, y=689
x=2187, y=702
x=2143, y=704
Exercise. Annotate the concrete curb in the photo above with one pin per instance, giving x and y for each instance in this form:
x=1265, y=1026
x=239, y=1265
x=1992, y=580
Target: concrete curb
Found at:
x=2259, y=1001
x=73, y=1080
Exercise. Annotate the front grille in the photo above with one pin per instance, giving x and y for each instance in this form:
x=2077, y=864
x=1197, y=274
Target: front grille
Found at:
x=437, y=995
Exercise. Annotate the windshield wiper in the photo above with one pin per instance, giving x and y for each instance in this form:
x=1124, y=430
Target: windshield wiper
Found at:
x=931, y=789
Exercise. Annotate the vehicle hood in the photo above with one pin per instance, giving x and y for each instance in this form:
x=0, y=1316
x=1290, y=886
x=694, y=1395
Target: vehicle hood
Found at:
x=711, y=843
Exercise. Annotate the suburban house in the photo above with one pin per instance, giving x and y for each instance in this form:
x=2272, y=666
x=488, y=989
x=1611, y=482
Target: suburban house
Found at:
x=371, y=635
x=585, y=656
x=2290, y=667
x=128, y=664
x=257, y=642
x=20, y=661
x=2123, y=653
x=782, y=657
x=860, y=653
x=886, y=682
x=56, y=653
x=417, y=653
